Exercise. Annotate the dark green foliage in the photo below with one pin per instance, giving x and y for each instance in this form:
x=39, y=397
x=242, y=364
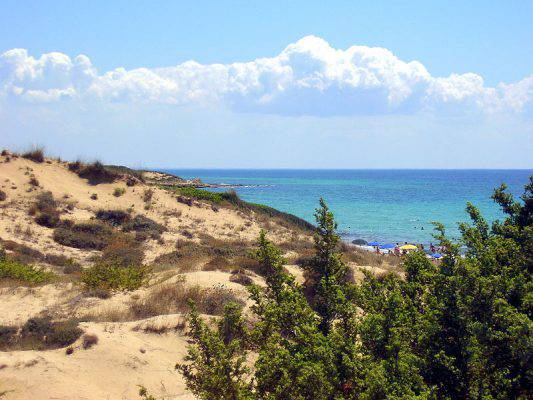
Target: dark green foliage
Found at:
x=199, y=194
x=3, y=195
x=457, y=329
x=326, y=273
x=216, y=370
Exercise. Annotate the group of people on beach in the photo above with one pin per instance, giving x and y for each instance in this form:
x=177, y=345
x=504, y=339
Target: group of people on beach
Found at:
x=398, y=250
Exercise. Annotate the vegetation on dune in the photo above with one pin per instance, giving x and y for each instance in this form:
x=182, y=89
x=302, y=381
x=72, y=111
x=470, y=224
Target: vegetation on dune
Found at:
x=85, y=235
x=117, y=192
x=458, y=329
x=231, y=197
x=36, y=154
x=95, y=173
x=23, y=272
x=113, y=277
x=45, y=210
x=18, y=271
x=40, y=333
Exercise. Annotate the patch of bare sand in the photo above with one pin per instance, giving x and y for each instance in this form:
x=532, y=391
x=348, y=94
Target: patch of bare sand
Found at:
x=123, y=358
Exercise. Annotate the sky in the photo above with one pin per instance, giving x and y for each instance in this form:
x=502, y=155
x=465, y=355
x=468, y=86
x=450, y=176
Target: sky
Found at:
x=244, y=84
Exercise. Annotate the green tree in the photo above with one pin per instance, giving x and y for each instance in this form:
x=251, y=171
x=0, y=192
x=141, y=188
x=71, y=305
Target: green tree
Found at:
x=456, y=329
x=215, y=367
x=327, y=274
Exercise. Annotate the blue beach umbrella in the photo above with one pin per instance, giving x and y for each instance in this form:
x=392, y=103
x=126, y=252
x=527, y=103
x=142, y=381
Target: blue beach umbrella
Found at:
x=436, y=255
x=388, y=246
x=373, y=244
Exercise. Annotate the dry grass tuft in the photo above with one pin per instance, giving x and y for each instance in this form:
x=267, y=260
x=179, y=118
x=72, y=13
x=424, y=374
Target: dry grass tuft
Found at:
x=88, y=341
x=36, y=154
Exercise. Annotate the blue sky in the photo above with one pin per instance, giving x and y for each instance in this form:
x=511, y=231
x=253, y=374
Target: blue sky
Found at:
x=450, y=87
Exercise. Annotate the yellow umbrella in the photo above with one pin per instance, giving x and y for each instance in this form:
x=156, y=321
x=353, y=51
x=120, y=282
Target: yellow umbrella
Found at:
x=408, y=247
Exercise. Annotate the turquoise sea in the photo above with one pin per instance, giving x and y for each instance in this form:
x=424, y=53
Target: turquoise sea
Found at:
x=383, y=205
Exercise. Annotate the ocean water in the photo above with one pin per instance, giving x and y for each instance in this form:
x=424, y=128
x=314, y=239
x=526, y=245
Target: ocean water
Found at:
x=383, y=205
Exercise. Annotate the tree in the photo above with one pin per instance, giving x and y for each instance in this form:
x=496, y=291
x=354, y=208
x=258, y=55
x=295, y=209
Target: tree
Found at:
x=457, y=329
x=327, y=274
x=216, y=367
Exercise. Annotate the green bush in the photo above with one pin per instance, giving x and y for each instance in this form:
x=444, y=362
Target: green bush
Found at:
x=109, y=277
x=23, y=272
x=459, y=328
x=200, y=194
x=3, y=195
x=119, y=192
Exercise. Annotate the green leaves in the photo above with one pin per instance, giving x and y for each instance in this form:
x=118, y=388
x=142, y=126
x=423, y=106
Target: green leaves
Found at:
x=456, y=329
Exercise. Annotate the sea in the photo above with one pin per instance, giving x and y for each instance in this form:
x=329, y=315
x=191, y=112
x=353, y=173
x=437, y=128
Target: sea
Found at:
x=388, y=206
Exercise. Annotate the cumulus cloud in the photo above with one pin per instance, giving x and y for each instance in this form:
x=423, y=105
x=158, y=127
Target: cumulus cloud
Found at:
x=308, y=77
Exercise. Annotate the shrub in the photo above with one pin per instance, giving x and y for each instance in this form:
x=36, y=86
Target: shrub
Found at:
x=49, y=218
x=45, y=210
x=184, y=200
x=122, y=252
x=199, y=194
x=109, y=277
x=42, y=333
x=147, y=195
x=3, y=195
x=33, y=181
x=35, y=154
x=119, y=192
x=89, y=341
x=22, y=253
x=23, y=272
x=241, y=278
x=39, y=334
x=217, y=263
x=98, y=293
x=113, y=217
x=94, y=196
x=44, y=201
x=143, y=224
x=174, y=298
x=75, y=166
x=97, y=173
x=84, y=235
x=58, y=260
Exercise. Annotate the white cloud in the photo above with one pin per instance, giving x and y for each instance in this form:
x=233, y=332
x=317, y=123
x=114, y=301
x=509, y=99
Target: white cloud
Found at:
x=309, y=77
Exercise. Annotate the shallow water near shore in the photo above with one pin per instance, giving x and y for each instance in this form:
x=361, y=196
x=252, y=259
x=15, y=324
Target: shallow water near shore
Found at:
x=383, y=205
